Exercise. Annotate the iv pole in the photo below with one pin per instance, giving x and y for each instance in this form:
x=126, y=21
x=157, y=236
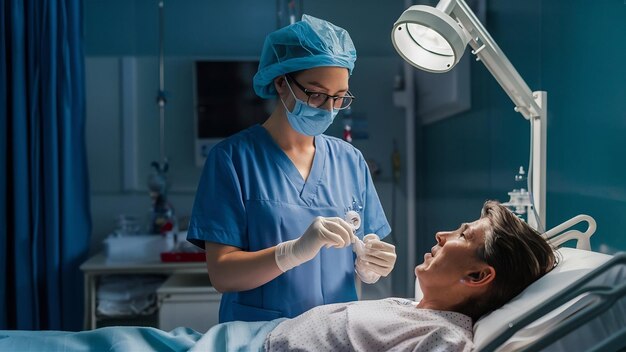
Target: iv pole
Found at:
x=162, y=217
x=161, y=166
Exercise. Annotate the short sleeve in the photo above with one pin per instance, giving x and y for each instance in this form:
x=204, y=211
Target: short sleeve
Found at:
x=219, y=213
x=374, y=219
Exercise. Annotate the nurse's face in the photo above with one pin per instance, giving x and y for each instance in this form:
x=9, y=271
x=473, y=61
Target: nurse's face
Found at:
x=454, y=257
x=331, y=81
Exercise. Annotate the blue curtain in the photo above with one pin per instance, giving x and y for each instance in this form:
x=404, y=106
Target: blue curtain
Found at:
x=45, y=221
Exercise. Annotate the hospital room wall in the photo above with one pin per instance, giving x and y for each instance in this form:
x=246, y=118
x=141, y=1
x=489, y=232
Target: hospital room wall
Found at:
x=576, y=52
x=584, y=71
x=202, y=29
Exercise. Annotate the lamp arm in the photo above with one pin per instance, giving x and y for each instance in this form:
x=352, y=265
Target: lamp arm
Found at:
x=533, y=106
x=487, y=51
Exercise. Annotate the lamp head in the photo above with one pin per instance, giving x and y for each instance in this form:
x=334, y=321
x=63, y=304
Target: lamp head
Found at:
x=429, y=39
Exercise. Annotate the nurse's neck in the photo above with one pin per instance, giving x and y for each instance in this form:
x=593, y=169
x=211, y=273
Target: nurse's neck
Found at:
x=285, y=136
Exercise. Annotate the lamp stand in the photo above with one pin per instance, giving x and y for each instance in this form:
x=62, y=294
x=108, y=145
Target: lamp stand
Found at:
x=538, y=177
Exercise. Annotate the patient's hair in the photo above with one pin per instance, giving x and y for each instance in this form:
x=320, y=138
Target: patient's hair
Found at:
x=517, y=252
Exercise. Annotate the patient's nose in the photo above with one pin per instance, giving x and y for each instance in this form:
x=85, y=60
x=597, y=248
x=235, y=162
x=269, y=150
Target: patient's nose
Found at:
x=441, y=238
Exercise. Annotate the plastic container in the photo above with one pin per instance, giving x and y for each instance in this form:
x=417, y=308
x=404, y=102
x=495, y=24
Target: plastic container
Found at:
x=136, y=248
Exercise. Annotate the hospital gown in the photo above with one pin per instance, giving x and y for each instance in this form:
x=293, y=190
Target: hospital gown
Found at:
x=391, y=324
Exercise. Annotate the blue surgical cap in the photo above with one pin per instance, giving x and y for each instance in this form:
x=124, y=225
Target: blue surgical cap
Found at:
x=305, y=44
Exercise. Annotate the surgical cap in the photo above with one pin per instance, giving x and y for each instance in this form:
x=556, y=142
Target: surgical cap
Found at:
x=305, y=44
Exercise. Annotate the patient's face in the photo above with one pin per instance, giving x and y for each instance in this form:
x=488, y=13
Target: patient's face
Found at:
x=453, y=257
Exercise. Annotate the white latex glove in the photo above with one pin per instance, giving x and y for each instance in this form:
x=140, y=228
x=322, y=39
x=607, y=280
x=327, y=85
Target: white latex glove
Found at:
x=329, y=232
x=376, y=259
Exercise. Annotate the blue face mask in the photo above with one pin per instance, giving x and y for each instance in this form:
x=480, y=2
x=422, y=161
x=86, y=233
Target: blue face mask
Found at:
x=308, y=120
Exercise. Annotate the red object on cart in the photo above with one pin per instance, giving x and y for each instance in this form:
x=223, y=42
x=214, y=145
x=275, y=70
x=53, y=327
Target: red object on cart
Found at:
x=182, y=257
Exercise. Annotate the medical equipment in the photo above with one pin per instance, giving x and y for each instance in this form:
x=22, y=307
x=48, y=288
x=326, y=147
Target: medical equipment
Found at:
x=434, y=39
x=355, y=127
x=362, y=249
x=519, y=198
x=347, y=133
x=366, y=276
x=395, y=170
x=161, y=100
x=354, y=219
x=162, y=217
x=358, y=246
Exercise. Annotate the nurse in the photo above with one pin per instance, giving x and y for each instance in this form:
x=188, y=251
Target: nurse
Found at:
x=272, y=199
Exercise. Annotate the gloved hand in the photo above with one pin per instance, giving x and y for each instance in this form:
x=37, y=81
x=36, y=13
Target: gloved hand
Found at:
x=375, y=260
x=329, y=232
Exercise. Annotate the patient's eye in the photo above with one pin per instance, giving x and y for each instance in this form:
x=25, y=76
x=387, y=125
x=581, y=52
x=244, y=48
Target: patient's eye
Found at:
x=462, y=230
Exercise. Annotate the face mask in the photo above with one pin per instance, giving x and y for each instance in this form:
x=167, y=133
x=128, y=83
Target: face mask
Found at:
x=308, y=120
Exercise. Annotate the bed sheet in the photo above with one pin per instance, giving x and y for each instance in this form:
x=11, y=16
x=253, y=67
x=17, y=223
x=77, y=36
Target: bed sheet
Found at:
x=119, y=338
x=232, y=336
x=236, y=336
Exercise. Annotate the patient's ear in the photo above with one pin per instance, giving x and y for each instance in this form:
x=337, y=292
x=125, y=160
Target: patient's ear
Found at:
x=481, y=277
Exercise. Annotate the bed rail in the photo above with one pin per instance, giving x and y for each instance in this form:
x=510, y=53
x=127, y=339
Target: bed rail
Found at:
x=600, y=298
x=557, y=237
x=615, y=342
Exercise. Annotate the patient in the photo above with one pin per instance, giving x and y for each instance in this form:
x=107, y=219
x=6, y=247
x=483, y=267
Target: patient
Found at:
x=468, y=273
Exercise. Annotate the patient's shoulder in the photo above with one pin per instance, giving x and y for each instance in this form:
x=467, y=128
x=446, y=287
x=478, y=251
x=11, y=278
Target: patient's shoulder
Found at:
x=449, y=331
x=399, y=301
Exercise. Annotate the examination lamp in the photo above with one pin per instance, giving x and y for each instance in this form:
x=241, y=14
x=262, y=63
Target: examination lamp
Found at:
x=433, y=39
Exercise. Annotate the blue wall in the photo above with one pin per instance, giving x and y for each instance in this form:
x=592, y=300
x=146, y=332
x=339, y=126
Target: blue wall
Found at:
x=584, y=72
x=226, y=28
x=575, y=50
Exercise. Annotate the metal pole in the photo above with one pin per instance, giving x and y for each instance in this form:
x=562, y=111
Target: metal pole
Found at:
x=161, y=93
x=411, y=172
x=540, y=141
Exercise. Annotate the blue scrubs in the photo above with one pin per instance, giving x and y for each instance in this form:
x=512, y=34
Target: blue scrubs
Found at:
x=251, y=196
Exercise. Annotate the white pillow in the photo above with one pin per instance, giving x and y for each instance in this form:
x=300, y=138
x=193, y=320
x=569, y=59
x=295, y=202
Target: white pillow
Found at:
x=573, y=265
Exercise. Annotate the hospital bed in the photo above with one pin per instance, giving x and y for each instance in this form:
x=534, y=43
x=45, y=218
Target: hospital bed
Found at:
x=579, y=306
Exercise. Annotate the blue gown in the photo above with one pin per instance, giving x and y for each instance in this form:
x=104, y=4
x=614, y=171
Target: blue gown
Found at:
x=251, y=196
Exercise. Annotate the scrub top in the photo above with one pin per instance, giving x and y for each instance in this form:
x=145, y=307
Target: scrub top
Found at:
x=251, y=196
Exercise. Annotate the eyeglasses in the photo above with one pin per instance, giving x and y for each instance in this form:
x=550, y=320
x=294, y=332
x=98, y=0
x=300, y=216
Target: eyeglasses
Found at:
x=318, y=99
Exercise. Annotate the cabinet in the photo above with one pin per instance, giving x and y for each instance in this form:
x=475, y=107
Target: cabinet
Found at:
x=188, y=300
x=97, y=266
